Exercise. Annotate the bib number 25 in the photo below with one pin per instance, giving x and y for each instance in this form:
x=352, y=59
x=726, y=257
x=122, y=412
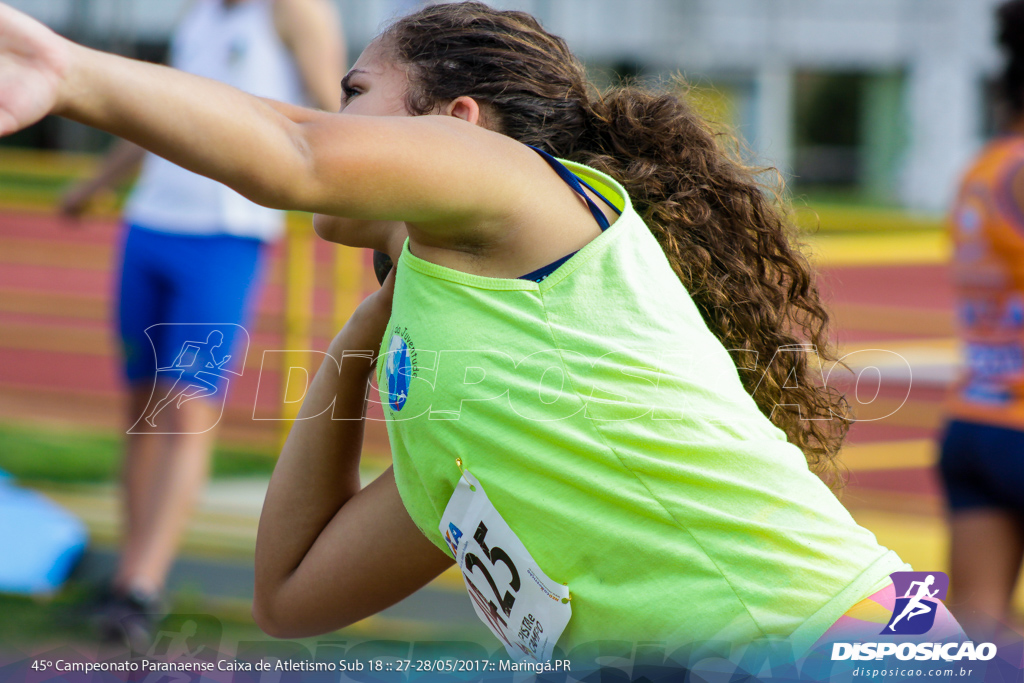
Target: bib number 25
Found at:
x=494, y=556
x=525, y=609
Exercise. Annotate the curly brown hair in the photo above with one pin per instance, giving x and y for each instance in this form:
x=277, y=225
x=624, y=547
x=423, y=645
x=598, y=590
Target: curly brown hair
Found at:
x=725, y=233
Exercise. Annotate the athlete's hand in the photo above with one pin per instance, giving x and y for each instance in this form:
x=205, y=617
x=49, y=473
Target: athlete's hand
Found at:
x=365, y=329
x=33, y=63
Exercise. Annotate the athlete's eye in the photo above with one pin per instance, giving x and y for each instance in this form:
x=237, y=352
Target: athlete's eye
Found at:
x=348, y=92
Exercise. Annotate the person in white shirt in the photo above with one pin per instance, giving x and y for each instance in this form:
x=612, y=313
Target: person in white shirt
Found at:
x=193, y=251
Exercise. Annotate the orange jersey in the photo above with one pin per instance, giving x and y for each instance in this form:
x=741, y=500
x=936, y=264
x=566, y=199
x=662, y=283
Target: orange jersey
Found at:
x=987, y=226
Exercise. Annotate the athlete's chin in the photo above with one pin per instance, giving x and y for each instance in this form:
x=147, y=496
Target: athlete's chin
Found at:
x=344, y=231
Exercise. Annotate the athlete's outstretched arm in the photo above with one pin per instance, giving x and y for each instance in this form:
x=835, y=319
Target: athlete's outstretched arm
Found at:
x=329, y=553
x=439, y=172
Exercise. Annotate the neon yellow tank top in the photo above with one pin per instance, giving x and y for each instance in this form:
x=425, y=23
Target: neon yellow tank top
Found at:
x=610, y=429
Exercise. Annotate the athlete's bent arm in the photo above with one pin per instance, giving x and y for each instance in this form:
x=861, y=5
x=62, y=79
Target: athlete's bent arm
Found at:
x=327, y=553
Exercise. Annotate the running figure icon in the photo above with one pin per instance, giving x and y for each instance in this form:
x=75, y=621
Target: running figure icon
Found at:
x=172, y=646
x=917, y=606
x=194, y=360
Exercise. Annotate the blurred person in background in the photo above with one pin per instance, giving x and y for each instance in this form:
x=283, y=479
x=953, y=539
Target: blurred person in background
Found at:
x=193, y=253
x=982, y=451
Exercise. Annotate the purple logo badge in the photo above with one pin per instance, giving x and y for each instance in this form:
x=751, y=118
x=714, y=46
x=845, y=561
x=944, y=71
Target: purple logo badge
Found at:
x=918, y=595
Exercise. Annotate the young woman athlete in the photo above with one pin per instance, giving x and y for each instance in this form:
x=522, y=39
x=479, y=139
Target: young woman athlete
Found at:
x=565, y=418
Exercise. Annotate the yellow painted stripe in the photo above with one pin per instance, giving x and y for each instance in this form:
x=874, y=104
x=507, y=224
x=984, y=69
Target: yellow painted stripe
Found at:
x=909, y=248
x=889, y=455
x=893, y=352
x=450, y=579
x=27, y=162
x=863, y=219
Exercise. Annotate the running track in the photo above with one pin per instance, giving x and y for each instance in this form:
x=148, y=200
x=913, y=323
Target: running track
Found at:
x=888, y=292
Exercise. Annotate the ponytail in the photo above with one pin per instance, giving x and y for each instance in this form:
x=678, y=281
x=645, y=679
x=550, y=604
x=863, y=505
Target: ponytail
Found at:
x=731, y=246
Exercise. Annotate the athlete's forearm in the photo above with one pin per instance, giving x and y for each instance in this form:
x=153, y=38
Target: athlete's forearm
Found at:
x=197, y=123
x=318, y=471
x=308, y=579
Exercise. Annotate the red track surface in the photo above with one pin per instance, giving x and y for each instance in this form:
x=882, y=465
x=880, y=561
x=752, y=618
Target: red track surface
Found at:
x=41, y=255
x=922, y=287
x=74, y=268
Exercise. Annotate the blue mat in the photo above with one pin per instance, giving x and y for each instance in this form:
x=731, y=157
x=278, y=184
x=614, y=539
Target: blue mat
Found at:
x=40, y=542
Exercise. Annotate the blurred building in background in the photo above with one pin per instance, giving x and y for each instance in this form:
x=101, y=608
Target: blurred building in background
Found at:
x=882, y=101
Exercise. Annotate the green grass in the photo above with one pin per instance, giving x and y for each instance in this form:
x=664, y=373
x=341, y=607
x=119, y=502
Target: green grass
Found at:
x=43, y=191
x=34, y=627
x=27, y=621
x=54, y=186
x=65, y=620
x=59, y=455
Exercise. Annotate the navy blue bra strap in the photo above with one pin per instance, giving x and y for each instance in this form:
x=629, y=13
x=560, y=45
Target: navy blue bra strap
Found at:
x=574, y=182
x=618, y=212
x=541, y=273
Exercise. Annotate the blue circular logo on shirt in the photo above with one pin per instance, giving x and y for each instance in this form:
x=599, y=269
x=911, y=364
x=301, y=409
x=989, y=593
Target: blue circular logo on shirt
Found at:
x=399, y=371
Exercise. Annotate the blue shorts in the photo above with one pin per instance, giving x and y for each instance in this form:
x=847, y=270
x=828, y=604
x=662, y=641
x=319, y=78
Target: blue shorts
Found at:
x=982, y=466
x=184, y=303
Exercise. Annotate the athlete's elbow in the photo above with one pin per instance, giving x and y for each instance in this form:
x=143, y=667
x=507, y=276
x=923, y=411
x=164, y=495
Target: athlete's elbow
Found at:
x=276, y=629
x=263, y=617
x=284, y=620
x=274, y=622
x=269, y=614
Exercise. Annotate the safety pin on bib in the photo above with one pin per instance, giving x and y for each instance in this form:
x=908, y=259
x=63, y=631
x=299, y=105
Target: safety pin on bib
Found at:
x=462, y=469
x=458, y=461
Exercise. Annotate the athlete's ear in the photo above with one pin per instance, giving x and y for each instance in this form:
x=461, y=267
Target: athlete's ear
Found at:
x=465, y=108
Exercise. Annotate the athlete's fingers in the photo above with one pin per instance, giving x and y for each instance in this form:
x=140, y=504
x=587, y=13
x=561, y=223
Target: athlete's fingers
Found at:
x=370, y=319
x=387, y=288
x=32, y=63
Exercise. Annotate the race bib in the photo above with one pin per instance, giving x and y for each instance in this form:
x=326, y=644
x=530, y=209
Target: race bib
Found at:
x=524, y=608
